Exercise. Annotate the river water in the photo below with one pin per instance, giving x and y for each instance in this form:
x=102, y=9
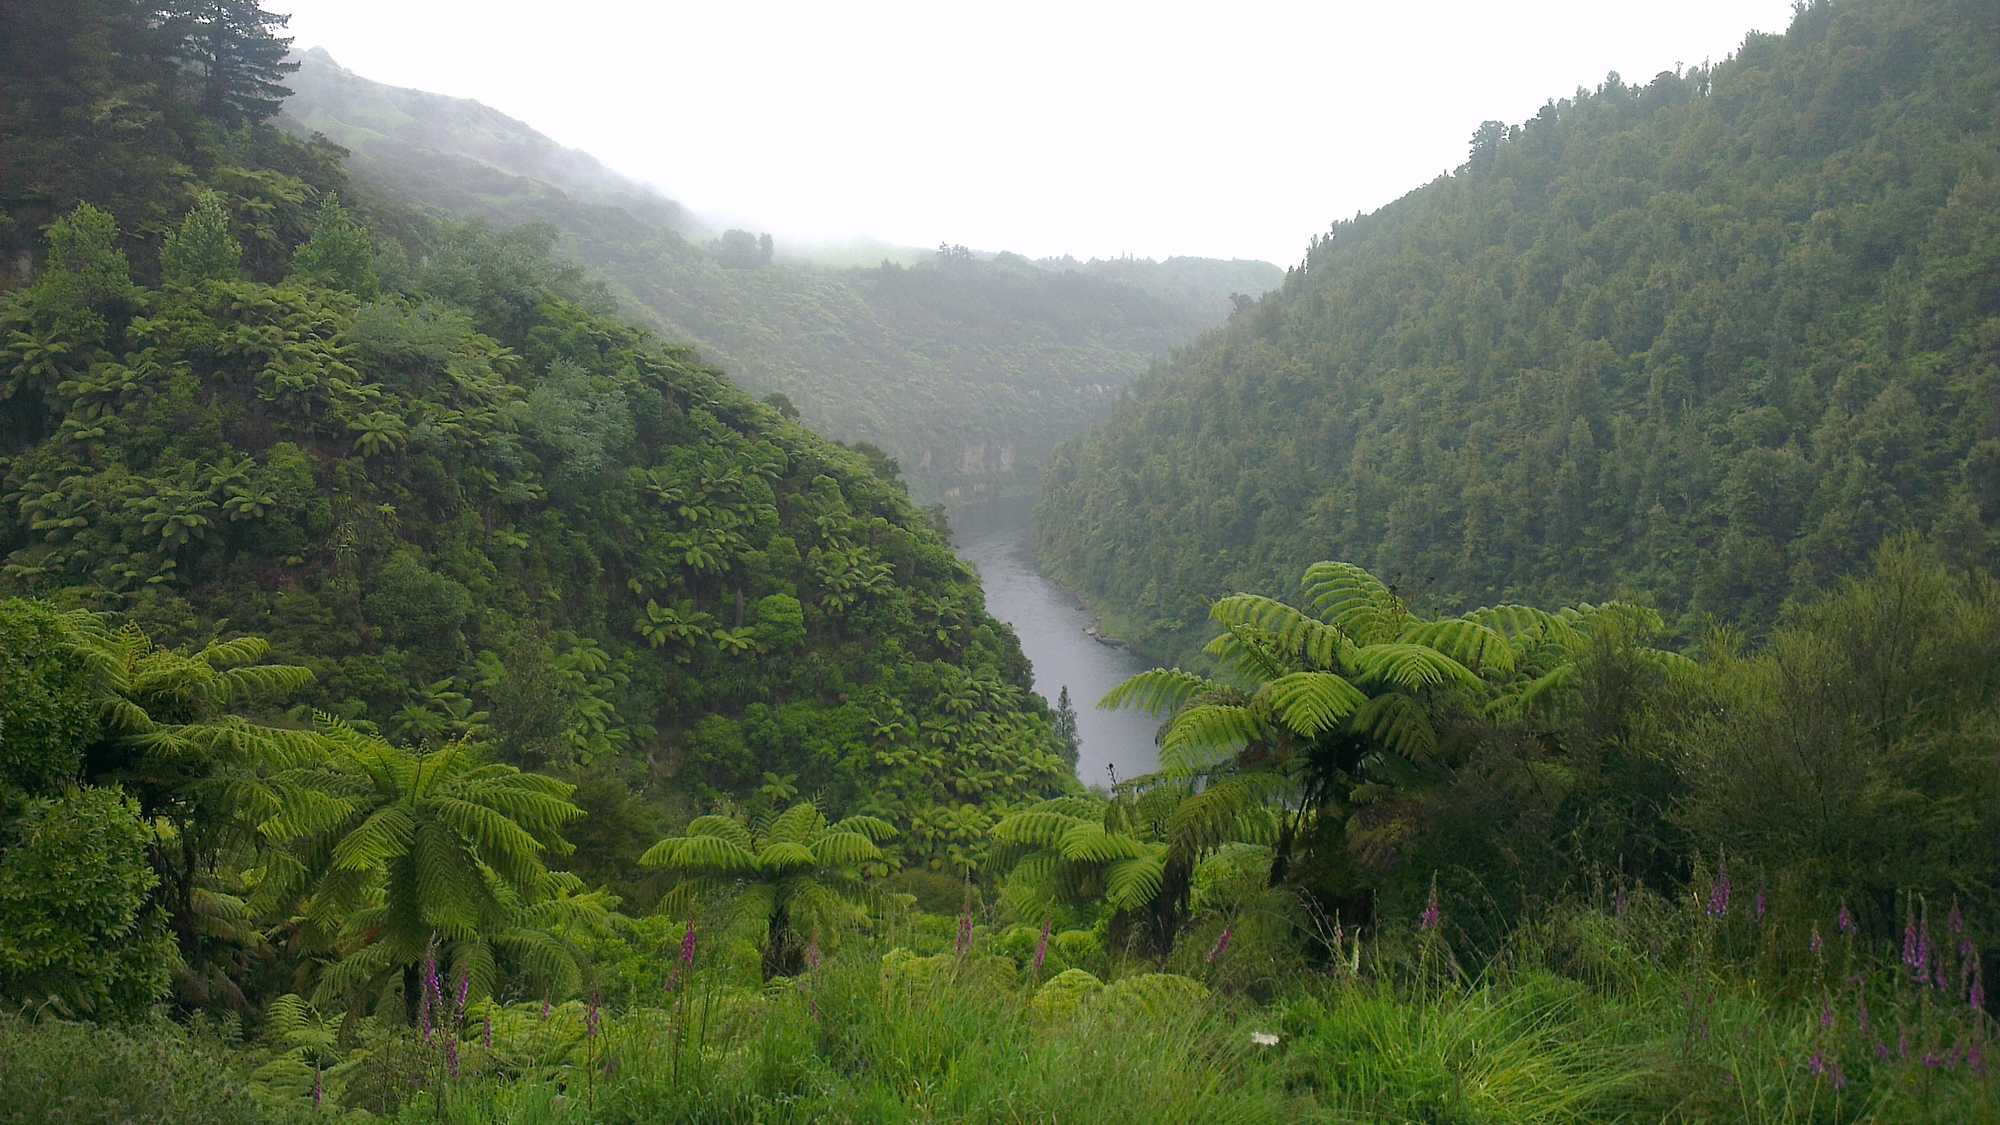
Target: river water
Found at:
x=1050, y=624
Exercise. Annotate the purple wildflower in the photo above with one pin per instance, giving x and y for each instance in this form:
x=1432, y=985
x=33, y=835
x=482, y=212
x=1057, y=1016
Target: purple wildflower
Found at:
x=963, y=944
x=1221, y=944
x=1844, y=921
x=1939, y=977
x=1881, y=1050
x=592, y=1017
x=1815, y=943
x=545, y=1009
x=1955, y=921
x=486, y=1034
x=1910, y=940
x=1817, y=1064
x=451, y=1054
x=464, y=990
x=319, y=1091
x=1718, y=892
x=687, y=945
x=1976, y=996
x=1826, y=1016
x=1932, y=1060
x=1042, y=945
x=1429, y=920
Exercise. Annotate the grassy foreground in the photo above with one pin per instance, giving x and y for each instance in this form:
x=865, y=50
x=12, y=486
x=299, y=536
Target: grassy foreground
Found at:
x=1637, y=1009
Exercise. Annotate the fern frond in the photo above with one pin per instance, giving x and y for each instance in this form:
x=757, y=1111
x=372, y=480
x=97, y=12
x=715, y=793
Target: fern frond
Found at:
x=1481, y=649
x=1161, y=691
x=1353, y=601
x=1291, y=631
x=1312, y=703
x=1397, y=722
x=1411, y=667
x=1130, y=884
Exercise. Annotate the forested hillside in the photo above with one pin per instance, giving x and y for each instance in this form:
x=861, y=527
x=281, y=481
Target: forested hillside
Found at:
x=471, y=504
x=967, y=369
x=1702, y=341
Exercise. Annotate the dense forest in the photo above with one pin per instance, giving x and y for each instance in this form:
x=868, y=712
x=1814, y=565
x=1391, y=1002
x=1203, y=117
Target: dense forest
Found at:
x=425, y=696
x=967, y=368
x=1702, y=342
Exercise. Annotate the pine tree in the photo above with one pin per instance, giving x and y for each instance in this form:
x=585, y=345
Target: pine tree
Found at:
x=204, y=248
x=241, y=58
x=340, y=254
x=1066, y=727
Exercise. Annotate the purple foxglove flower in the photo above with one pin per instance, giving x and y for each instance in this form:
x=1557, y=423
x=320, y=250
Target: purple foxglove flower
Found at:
x=486, y=1034
x=1429, y=920
x=1844, y=921
x=1976, y=995
x=1817, y=1064
x=1881, y=1050
x=545, y=1009
x=451, y=1055
x=592, y=1017
x=1221, y=945
x=1718, y=891
x=464, y=991
x=687, y=945
x=1042, y=945
x=319, y=1091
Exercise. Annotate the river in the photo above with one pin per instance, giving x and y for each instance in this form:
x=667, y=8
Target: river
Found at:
x=1050, y=624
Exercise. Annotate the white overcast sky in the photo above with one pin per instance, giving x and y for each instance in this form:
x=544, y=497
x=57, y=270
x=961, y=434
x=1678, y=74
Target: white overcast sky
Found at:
x=1236, y=128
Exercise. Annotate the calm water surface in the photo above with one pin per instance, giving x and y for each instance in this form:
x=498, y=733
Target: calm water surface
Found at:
x=1050, y=624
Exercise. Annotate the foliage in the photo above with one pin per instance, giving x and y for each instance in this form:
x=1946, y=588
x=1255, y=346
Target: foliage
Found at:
x=60, y=1073
x=779, y=878
x=1701, y=341
x=339, y=255
x=204, y=248
x=79, y=935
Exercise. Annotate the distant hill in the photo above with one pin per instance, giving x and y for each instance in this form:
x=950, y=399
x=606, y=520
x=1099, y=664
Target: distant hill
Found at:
x=1704, y=341
x=966, y=368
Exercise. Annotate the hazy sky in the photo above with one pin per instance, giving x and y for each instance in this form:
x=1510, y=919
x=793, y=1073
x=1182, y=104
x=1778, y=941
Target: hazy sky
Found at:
x=1235, y=128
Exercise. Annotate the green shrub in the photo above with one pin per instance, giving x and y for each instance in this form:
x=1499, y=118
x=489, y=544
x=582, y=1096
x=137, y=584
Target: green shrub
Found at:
x=76, y=932
x=56, y=1073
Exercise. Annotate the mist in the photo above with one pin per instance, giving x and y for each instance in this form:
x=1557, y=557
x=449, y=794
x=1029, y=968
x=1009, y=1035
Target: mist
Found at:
x=1041, y=128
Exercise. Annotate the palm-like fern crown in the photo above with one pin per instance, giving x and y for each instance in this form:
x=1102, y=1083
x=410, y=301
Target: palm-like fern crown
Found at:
x=793, y=864
x=1352, y=679
x=409, y=845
